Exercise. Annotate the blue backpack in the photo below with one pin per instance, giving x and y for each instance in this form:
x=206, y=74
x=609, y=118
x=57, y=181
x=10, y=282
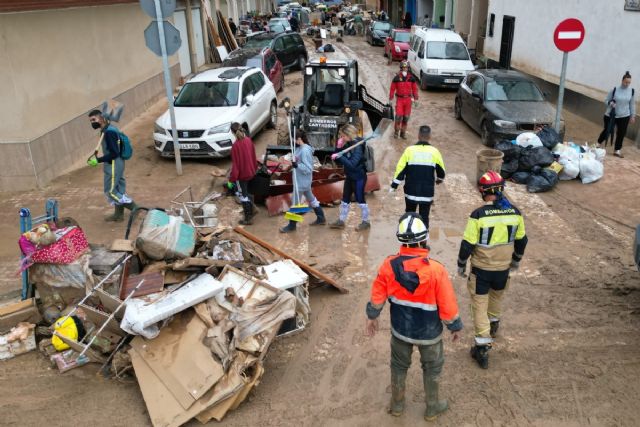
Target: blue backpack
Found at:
x=126, y=150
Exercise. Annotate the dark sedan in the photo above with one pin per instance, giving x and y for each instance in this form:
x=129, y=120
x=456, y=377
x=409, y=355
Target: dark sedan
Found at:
x=261, y=58
x=378, y=32
x=501, y=104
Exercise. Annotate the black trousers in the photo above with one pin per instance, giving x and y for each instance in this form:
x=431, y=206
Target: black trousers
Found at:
x=423, y=209
x=620, y=128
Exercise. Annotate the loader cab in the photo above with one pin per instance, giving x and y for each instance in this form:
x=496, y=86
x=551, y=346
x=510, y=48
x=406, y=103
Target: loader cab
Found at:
x=330, y=87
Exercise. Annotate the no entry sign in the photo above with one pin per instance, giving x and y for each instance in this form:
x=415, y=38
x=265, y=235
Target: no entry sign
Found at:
x=569, y=35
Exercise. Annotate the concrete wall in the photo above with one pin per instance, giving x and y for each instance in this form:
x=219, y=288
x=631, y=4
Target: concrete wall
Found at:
x=56, y=66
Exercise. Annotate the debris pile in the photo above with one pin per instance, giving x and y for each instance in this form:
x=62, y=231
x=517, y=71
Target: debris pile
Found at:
x=190, y=310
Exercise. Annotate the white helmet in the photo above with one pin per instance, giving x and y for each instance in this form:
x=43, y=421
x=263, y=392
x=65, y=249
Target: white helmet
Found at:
x=411, y=229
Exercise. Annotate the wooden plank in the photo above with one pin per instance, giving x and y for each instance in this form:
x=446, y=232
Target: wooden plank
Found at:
x=310, y=270
x=122, y=245
x=98, y=318
x=153, y=282
x=110, y=302
x=16, y=306
x=191, y=263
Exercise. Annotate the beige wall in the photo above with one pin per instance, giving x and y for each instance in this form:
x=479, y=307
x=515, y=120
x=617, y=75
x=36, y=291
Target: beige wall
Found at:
x=58, y=64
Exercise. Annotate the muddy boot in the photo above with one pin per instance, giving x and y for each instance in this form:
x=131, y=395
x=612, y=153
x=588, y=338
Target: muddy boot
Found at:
x=396, y=133
x=337, y=224
x=435, y=407
x=493, y=327
x=320, y=219
x=131, y=206
x=289, y=227
x=396, y=405
x=480, y=353
x=118, y=214
x=403, y=134
x=364, y=225
x=246, y=209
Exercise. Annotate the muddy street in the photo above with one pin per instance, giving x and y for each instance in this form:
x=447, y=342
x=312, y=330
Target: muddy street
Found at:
x=567, y=353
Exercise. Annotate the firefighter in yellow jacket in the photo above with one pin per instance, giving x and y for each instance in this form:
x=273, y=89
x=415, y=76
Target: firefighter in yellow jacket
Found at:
x=495, y=240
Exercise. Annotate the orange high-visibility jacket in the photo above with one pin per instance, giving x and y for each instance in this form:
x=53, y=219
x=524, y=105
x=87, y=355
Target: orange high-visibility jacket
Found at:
x=421, y=297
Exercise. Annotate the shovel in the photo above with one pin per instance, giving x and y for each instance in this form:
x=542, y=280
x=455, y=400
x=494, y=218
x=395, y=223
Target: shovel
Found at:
x=379, y=131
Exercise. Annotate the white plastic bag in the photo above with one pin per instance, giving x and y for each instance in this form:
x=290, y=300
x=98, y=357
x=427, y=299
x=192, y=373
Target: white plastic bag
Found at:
x=570, y=169
x=528, y=139
x=591, y=169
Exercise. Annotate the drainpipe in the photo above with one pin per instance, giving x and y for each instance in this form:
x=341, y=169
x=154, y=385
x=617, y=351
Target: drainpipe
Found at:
x=192, y=49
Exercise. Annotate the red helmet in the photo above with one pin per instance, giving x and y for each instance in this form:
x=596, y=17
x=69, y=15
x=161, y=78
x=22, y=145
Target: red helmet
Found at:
x=404, y=64
x=490, y=183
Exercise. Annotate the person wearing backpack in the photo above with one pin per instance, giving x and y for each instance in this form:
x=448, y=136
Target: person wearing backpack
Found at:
x=420, y=167
x=621, y=110
x=116, y=149
x=355, y=181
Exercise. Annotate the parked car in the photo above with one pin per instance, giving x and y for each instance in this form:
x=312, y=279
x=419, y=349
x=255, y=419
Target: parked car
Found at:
x=397, y=45
x=500, y=104
x=438, y=58
x=288, y=47
x=378, y=32
x=263, y=59
x=208, y=104
x=279, y=25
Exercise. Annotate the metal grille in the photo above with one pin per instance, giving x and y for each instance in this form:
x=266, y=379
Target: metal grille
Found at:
x=189, y=133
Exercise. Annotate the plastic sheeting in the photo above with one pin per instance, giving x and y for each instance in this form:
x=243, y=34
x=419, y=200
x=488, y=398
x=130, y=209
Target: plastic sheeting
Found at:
x=256, y=316
x=75, y=275
x=165, y=237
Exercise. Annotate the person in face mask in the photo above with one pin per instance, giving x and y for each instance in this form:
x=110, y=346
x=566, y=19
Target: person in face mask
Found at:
x=115, y=187
x=405, y=89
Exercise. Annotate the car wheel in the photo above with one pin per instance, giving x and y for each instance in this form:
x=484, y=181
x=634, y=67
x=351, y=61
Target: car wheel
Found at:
x=273, y=116
x=423, y=82
x=301, y=62
x=457, y=109
x=485, y=134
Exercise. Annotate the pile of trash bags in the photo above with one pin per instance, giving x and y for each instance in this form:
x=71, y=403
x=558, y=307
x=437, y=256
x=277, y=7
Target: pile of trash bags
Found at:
x=539, y=160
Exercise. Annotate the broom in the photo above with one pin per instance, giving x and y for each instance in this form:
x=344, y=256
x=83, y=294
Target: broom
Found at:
x=296, y=211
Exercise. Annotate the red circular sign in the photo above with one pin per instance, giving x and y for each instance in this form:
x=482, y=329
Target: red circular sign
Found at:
x=568, y=35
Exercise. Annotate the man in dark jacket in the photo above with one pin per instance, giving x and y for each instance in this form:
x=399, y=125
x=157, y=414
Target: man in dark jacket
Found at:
x=243, y=169
x=115, y=186
x=355, y=179
x=420, y=167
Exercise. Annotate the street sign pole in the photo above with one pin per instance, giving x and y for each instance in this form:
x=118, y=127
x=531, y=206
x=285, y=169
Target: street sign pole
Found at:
x=167, y=84
x=563, y=74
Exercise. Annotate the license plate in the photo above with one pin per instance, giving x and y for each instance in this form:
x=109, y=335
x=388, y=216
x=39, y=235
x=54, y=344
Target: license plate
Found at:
x=189, y=146
x=451, y=81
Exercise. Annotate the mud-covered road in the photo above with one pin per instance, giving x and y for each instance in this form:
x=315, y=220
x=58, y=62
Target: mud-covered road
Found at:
x=567, y=353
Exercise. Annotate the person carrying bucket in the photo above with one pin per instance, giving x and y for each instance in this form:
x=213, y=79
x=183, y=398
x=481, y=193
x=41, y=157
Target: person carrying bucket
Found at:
x=302, y=164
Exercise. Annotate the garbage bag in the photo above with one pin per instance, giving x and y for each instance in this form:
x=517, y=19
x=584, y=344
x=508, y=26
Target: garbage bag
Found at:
x=542, y=181
x=591, y=169
x=528, y=139
x=510, y=150
x=570, y=169
x=520, y=177
x=535, y=156
x=549, y=137
x=509, y=168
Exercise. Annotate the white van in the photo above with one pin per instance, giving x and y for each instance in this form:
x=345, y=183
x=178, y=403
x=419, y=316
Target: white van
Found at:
x=438, y=58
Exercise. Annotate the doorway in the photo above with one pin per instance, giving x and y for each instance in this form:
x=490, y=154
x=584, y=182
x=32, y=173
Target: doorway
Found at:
x=506, y=43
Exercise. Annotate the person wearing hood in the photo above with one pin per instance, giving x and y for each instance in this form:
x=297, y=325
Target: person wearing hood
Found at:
x=495, y=240
x=302, y=165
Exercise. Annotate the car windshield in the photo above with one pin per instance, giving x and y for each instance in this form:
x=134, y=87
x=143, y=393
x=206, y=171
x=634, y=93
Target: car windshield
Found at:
x=447, y=50
x=382, y=26
x=402, y=37
x=253, y=42
x=513, y=90
x=255, y=62
x=277, y=27
x=208, y=94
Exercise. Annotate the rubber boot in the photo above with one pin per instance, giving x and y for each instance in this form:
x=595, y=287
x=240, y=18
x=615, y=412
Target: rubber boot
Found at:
x=338, y=224
x=131, y=206
x=247, y=210
x=480, y=353
x=396, y=405
x=364, y=225
x=493, y=327
x=396, y=133
x=289, y=227
x=403, y=134
x=320, y=219
x=118, y=214
x=435, y=407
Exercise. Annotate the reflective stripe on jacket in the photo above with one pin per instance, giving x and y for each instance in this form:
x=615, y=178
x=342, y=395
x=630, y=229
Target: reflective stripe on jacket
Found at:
x=420, y=294
x=493, y=237
x=418, y=168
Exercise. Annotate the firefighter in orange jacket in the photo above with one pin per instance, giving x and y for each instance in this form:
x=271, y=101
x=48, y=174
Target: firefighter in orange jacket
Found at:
x=421, y=298
x=404, y=88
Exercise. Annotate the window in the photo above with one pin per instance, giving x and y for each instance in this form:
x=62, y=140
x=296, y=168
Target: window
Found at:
x=270, y=61
x=208, y=94
x=401, y=36
x=447, y=50
x=492, y=21
x=513, y=90
x=289, y=42
x=420, y=49
x=257, y=80
x=255, y=62
x=247, y=88
x=279, y=45
x=477, y=85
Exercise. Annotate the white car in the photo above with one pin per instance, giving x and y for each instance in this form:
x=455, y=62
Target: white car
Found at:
x=279, y=25
x=208, y=104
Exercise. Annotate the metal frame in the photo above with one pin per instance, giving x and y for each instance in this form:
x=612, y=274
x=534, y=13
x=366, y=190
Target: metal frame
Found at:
x=26, y=224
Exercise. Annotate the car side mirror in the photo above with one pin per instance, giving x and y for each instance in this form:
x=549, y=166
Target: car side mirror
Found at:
x=248, y=100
